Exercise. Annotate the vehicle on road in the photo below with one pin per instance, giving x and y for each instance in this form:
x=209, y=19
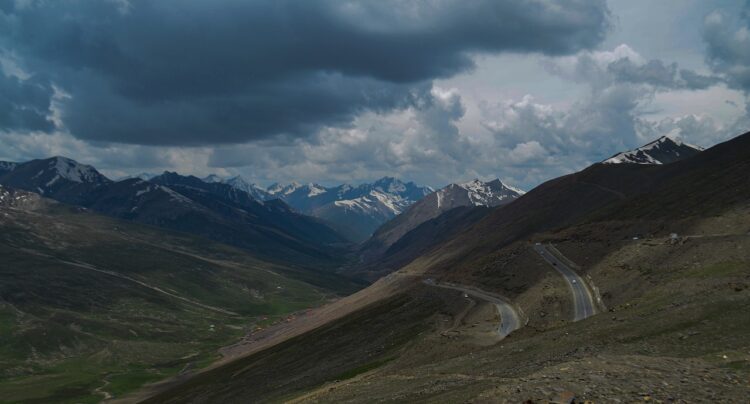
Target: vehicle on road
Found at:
x=574, y=281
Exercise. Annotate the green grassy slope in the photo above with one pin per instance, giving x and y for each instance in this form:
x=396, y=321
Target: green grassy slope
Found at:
x=90, y=302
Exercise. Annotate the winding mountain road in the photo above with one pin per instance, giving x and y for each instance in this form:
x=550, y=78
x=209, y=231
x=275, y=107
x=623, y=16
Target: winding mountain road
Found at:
x=509, y=318
x=582, y=297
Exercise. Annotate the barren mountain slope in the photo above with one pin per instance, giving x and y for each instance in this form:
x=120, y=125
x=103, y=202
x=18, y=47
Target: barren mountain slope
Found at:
x=673, y=324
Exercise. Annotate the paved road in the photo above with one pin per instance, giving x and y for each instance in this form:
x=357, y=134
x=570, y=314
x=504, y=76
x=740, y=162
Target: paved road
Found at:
x=509, y=320
x=582, y=299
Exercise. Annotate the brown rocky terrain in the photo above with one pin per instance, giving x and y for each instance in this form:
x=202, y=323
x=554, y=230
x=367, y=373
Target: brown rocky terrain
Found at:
x=667, y=248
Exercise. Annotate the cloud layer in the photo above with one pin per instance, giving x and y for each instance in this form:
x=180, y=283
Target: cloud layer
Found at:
x=193, y=72
x=728, y=45
x=339, y=91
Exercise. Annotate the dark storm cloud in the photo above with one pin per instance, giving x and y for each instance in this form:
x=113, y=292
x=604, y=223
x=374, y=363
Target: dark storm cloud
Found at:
x=658, y=74
x=25, y=104
x=197, y=72
x=727, y=41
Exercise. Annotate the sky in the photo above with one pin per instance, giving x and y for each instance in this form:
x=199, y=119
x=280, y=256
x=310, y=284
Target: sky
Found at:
x=336, y=91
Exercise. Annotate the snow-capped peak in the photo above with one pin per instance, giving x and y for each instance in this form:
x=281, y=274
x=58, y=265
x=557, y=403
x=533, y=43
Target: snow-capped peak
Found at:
x=279, y=189
x=74, y=171
x=274, y=188
x=519, y=191
x=490, y=193
x=238, y=182
x=661, y=151
x=315, y=189
x=212, y=178
x=473, y=185
x=478, y=193
x=374, y=203
x=389, y=185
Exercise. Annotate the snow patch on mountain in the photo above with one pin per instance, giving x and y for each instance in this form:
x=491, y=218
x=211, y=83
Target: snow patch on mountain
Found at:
x=358, y=208
x=239, y=183
x=143, y=191
x=473, y=193
x=661, y=151
x=15, y=198
x=481, y=193
x=376, y=202
x=315, y=189
x=258, y=193
x=519, y=191
x=213, y=178
x=73, y=171
x=6, y=166
x=362, y=204
x=277, y=189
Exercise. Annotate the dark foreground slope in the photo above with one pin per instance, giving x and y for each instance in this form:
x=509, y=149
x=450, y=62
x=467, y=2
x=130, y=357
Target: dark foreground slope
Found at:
x=92, y=307
x=674, y=326
x=325, y=354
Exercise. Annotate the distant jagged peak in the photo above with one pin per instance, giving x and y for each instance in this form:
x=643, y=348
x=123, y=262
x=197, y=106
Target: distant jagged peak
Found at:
x=314, y=189
x=481, y=193
x=310, y=189
x=212, y=178
x=281, y=189
x=240, y=183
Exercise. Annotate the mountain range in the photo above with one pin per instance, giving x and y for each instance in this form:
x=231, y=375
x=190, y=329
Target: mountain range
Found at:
x=469, y=287
x=654, y=254
x=354, y=211
x=214, y=210
x=239, y=212
x=358, y=211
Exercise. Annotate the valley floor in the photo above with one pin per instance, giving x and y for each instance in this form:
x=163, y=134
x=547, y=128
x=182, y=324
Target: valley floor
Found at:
x=92, y=308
